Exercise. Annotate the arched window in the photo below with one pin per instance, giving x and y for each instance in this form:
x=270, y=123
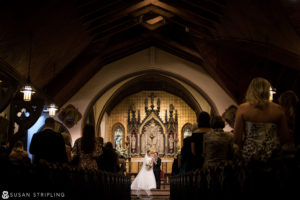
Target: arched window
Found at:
x=118, y=131
x=186, y=131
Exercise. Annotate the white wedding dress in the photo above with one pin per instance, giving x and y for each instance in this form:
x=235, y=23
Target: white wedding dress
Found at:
x=145, y=180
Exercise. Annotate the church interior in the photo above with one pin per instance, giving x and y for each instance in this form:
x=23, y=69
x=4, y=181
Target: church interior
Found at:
x=140, y=72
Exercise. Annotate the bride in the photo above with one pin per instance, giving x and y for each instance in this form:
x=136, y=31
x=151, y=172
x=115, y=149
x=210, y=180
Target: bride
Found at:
x=145, y=180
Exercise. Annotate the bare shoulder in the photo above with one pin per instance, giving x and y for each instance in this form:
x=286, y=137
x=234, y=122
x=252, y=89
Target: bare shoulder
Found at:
x=244, y=106
x=276, y=107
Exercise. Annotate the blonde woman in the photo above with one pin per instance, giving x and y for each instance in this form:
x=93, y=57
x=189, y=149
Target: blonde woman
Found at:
x=260, y=125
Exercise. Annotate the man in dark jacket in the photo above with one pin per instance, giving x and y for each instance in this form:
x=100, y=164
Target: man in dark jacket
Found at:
x=48, y=145
x=156, y=169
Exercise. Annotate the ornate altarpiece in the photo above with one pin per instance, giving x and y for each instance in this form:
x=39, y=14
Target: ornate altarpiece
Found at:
x=152, y=133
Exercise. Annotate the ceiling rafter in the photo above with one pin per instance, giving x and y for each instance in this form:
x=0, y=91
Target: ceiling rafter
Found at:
x=186, y=14
x=92, y=10
x=204, y=5
x=112, y=15
x=114, y=30
x=195, y=9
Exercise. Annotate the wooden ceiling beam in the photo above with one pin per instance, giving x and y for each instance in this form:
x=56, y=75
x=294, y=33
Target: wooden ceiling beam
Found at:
x=202, y=5
x=113, y=31
x=108, y=27
x=115, y=14
x=91, y=10
x=154, y=9
x=187, y=15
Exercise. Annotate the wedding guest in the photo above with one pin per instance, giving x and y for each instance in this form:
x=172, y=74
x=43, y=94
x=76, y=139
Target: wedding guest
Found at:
x=156, y=169
x=203, y=121
x=217, y=144
x=66, y=137
x=297, y=125
x=288, y=101
x=18, y=154
x=185, y=158
x=48, y=144
x=260, y=124
x=122, y=163
x=175, y=165
x=87, y=149
x=109, y=160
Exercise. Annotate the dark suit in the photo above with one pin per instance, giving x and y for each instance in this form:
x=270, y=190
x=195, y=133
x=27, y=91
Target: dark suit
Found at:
x=156, y=170
x=48, y=145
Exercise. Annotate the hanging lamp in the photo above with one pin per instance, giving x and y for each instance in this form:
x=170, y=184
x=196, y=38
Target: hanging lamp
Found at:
x=52, y=108
x=27, y=90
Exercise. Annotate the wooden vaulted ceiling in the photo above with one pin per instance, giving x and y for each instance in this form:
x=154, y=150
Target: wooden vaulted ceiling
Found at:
x=71, y=40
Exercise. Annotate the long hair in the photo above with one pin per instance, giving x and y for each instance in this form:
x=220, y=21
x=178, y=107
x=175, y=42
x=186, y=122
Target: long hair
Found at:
x=258, y=92
x=88, y=139
x=288, y=101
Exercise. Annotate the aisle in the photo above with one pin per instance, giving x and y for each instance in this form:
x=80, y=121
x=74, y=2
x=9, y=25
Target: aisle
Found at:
x=163, y=194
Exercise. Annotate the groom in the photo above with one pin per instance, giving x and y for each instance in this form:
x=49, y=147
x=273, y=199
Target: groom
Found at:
x=156, y=169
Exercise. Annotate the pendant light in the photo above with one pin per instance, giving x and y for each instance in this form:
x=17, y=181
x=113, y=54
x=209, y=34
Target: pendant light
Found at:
x=52, y=108
x=27, y=90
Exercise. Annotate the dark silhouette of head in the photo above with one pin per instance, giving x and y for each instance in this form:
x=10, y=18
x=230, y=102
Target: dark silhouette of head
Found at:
x=50, y=123
x=203, y=120
x=88, y=139
x=217, y=122
x=109, y=146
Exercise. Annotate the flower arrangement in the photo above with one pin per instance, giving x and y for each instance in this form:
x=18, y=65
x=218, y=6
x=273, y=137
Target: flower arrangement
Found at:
x=149, y=164
x=124, y=153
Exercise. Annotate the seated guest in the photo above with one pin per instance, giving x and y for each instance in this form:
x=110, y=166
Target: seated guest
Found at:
x=203, y=121
x=260, y=124
x=18, y=154
x=217, y=145
x=109, y=160
x=87, y=149
x=48, y=144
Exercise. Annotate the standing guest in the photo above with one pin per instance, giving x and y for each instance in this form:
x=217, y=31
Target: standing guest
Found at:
x=109, y=160
x=260, y=124
x=288, y=101
x=87, y=149
x=18, y=154
x=156, y=169
x=48, y=144
x=297, y=125
x=185, y=158
x=197, y=140
x=4, y=149
x=175, y=165
x=217, y=145
x=66, y=137
x=122, y=163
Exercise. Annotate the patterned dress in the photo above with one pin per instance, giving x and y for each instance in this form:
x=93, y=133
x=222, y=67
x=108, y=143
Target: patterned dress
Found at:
x=217, y=147
x=261, y=139
x=87, y=161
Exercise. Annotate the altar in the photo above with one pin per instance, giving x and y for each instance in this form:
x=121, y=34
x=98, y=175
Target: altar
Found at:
x=152, y=132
